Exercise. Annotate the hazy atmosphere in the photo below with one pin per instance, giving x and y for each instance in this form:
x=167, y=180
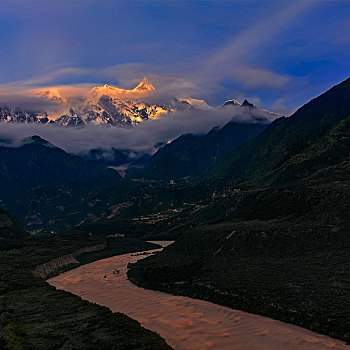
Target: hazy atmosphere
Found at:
x=174, y=175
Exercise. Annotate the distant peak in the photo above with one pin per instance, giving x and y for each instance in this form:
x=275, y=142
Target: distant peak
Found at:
x=232, y=102
x=145, y=84
x=247, y=104
x=37, y=140
x=144, y=87
x=104, y=87
x=195, y=103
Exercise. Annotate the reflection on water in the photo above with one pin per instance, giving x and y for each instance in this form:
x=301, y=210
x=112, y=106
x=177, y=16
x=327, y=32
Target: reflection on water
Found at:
x=186, y=324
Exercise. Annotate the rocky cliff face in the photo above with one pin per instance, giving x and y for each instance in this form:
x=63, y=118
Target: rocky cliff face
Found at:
x=44, y=270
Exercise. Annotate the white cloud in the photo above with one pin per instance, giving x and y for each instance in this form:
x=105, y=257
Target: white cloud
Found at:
x=140, y=138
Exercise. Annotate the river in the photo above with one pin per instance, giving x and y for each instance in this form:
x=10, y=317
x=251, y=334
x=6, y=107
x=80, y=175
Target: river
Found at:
x=185, y=323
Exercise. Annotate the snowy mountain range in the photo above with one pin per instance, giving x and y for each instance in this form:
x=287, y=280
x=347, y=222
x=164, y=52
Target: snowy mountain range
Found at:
x=105, y=105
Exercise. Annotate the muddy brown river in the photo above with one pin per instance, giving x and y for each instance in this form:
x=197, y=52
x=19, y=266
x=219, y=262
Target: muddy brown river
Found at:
x=185, y=323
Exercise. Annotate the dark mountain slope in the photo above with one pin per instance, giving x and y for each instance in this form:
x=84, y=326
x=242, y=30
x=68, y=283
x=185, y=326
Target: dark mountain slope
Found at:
x=37, y=163
x=139, y=168
x=312, y=185
x=325, y=161
x=284, y=139
x=190, y=155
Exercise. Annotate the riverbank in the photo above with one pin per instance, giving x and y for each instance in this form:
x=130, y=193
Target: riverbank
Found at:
x=293, y=272
x=34, y=315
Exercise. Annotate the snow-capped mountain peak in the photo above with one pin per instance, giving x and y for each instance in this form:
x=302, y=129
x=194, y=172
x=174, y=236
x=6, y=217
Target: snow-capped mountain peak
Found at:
x=231, y=103
x=197, y=104
x=144, y=88
x=144, y=85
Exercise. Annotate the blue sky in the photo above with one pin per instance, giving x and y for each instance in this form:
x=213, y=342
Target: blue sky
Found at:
x=278, y=54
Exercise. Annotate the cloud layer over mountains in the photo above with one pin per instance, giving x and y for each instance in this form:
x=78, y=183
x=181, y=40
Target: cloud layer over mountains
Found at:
x=140, y=139
x=108, y=117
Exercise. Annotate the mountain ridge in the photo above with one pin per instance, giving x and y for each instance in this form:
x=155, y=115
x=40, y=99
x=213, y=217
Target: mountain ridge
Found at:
x=102, y=105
